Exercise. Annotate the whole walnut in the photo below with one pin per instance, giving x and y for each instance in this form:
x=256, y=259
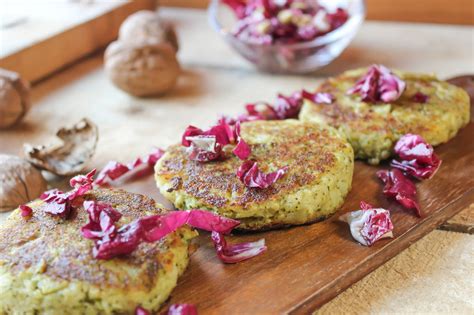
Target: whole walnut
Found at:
x=142, y=68
x=14, y=98
x=146, y=26
x=20, y=182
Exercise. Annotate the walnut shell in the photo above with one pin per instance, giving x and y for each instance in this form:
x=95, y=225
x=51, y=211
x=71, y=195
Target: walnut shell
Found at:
x=14, y=98
x=147, y=26
x=70, y=154
x=141, y=68
x=20, y=182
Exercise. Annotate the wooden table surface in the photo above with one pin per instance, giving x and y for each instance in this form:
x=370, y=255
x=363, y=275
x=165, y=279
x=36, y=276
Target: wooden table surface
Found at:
x=216, y=80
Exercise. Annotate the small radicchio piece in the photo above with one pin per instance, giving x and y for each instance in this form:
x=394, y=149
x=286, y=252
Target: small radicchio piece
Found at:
x=252, y=177
x=61, y=204
x=417, y=157
x=102, y=219
x=112, y=241
x=83, y=183
x=25, y=211
x=205, y=146
x=399, y=187
x=379, y=84
x=288, y=106
x=231, y=254
x=114, y=170
x=369, y=224
x=318, y=97
x=419, y=97
x=242, y=149
x=141, y=311
x=182, y=309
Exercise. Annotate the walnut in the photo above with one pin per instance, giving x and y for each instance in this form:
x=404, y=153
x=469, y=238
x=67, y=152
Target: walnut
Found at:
x=20, y=182
x=71, y=151
x=14, y=98
x=142, y=68
x=146, y=26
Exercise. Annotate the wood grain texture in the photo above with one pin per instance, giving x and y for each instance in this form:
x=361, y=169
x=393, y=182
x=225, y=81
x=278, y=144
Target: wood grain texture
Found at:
x=304, y=266
x=56, y=35
x=462, y=222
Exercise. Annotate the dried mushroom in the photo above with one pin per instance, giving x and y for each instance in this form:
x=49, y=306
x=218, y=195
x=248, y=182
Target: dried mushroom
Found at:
x=20, y=182
x=14, y=98
x=70, y=154
x=147, y=26
x=141, y=68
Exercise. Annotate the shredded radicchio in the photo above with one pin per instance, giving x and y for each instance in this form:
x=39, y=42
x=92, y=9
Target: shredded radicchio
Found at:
x=138, y=168
x=401, y=188
x=231, y=254
x=369, y=224
x=416, y=157
x=61, y=204
x=207, y=145
x=25, y=211
x=285, y=107
x=379, y=84
x=251, y=176
x=271, y=21
x=111, y=241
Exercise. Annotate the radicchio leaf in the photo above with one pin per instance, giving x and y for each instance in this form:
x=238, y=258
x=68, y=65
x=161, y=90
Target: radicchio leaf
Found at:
x=25, y=211
x=417, y=157
x=141, y=311
x=205, y=146
x=369, y=224
x=182, y=309
x=231, y=254
x=252, y=177
x=379, y=84
x=59, y=203
x=242, y=149
x=102, y=219
x=399, y=187
x=318, y=97
x=288, y=106
x=112, y=242
x=139, y=167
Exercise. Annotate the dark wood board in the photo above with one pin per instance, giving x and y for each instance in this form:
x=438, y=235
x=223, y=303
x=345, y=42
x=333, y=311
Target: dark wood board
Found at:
x=307, y=266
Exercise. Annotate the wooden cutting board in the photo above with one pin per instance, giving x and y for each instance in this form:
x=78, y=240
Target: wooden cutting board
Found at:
x=307, y=266
x=304, y=266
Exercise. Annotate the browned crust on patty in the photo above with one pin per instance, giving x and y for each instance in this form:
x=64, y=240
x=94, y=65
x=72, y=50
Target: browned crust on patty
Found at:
x=66, y=255
x=302, y=149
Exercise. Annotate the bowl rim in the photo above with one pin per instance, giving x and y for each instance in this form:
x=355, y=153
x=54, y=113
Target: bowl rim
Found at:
x=352, y=23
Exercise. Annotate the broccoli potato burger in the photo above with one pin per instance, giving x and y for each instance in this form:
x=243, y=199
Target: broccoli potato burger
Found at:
x=48, y=267
x=374, y=107
x=310, y=166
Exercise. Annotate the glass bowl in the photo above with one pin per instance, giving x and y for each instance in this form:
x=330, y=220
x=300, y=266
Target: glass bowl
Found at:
x=301, y=57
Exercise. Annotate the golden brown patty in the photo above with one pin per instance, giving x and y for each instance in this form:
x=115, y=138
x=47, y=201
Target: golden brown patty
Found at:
x=319, y=176
x=46, y=266
x=373, y=129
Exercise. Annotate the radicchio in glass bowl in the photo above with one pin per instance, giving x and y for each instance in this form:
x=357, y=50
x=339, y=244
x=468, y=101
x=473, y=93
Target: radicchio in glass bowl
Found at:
x=302, y=51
